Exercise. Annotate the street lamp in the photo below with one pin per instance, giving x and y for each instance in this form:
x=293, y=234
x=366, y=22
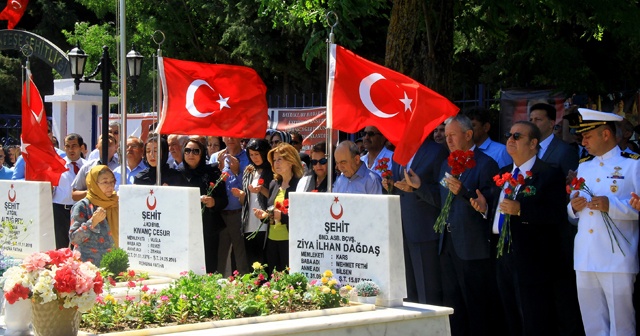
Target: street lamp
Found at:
x=78, y=60
x=134, y=64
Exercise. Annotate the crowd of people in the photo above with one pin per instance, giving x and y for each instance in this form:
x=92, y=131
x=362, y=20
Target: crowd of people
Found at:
x=560, y=271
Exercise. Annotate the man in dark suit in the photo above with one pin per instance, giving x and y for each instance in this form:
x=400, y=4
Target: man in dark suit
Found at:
x=468, y=270
x=529, y=262
x=559, y=154
x=419, y=210
x=468, y=277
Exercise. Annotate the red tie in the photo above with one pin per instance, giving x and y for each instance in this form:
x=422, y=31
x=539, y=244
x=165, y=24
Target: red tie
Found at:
x=75, y=168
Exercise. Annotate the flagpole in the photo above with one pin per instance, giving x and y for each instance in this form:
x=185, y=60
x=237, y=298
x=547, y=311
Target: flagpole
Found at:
x=123, y=95
x=27, y=51
x=159, y=162
x=329, y=95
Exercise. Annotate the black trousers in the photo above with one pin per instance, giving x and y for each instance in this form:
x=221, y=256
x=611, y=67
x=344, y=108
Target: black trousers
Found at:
x=422, y=269
x=471, y=289
x=61, y=224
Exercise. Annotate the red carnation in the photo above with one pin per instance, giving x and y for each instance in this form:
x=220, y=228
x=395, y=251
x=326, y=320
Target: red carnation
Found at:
x=260, y=181
x=508, y=191
x=224, y=176
x=98, y=283
x=65, y=280
x=17, y=292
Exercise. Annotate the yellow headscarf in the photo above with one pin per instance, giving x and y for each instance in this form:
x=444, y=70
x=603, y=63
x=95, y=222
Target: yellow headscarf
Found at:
x=107, y=202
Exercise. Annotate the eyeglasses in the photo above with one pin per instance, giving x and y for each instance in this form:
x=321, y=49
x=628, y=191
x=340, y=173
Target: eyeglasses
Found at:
x=115, y=132
x=194, y=151
x=371, y=134
x=275, y=142
x=321, y=161
x=108, y=183
x=516, y=135
x=293, y=142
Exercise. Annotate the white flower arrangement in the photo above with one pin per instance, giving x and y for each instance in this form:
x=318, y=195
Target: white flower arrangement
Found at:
x=54, y=275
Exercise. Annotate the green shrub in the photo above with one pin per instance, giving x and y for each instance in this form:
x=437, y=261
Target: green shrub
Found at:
x=115, y=261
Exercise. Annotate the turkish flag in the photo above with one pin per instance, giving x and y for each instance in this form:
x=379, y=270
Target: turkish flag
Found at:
x=13, y=12
x=42, y=163
x=362, y=93
x=212, y=99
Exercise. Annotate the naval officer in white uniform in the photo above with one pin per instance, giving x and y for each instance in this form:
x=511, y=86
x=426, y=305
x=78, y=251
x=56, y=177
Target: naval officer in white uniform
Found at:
x=605, y=269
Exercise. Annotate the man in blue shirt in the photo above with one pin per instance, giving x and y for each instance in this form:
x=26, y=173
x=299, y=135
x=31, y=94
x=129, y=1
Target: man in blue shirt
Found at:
x=135, y=165
x=232, y=160
x=356, y=178
x=481, y=126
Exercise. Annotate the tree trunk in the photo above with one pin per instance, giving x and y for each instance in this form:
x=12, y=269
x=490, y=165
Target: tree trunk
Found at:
x=420, y=42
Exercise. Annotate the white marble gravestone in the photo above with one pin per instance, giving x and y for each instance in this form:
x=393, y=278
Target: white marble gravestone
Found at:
x=28, y=205
x=357, y=237
x=161, y=229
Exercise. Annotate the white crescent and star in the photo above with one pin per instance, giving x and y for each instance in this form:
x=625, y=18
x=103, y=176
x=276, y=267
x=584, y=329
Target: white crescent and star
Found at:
x=191, y=92
x=365, y=97
x=16, y=5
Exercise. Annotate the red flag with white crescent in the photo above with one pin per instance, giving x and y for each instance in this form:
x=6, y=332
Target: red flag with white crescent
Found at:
x=13, y=12
x=212, y=99
x=362, y=93
x=42, y=163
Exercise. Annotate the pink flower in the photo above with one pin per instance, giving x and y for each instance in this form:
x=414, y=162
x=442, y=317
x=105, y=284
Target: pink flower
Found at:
x=164, y=298
x=129, y=298
x=131, y=284
x=184, y=273
x=36, y=261
x=145, y=288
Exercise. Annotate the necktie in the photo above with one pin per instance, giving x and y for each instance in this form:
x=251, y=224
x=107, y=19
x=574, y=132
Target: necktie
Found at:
x=516, y=172
x=75, y=168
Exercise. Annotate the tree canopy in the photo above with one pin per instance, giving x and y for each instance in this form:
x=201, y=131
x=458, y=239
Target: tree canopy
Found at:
x=566, y=45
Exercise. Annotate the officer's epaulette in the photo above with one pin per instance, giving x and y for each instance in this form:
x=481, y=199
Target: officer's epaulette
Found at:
x=586, y=158
x=630, y=155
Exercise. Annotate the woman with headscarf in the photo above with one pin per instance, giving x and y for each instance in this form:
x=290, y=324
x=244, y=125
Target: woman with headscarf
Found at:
x=198, y=174
x=255, y=182
x=94, y=230
x=287, y=171
x=168, y=176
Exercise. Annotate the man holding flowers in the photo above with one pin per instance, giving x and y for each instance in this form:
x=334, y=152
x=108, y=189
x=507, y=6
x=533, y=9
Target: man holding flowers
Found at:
x=419, y=209
x=468, y=276
x=528, y=215
x=606, y=246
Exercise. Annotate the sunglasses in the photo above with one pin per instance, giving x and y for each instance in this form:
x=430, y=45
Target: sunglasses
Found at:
x=273, y=143
x=195, y=151
x=293, y=142
x=516, y=135
x=371, y=134
x=321, y=161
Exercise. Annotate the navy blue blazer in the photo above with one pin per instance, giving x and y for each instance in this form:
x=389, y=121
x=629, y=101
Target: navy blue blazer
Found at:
x=561, y=155
x=419, y=209
x=470, y=232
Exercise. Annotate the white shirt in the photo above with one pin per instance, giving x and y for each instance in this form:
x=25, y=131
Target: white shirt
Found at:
x=384, y=153
x=254, y=222
x=62, y=193
x=524, y=168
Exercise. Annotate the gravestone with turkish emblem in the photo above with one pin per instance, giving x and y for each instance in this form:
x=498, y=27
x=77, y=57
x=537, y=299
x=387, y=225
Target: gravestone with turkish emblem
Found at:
x=161, y=229
x=27, y=218
x=357, y=237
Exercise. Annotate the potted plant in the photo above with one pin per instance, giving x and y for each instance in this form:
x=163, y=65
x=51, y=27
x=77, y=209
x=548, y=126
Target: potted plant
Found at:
x=367, y=291
x=60, y=287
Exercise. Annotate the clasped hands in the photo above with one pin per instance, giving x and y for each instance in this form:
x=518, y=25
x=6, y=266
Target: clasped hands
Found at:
x=261, y=214
x=600, y=203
